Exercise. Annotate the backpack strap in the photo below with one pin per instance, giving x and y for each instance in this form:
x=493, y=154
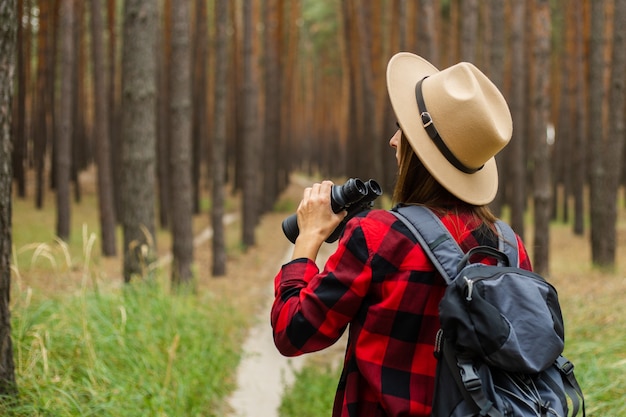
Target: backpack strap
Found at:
x=572, y=389
x=507, y=242
x=433, y=237
x=440, y=246
x=469, y=383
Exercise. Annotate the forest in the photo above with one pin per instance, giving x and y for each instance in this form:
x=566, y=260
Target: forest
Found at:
x=169, y=100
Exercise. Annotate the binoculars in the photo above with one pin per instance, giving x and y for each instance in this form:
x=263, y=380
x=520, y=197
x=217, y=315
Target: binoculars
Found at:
x=354, y=196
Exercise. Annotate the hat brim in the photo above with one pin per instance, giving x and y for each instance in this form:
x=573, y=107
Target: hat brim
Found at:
x=403, y=72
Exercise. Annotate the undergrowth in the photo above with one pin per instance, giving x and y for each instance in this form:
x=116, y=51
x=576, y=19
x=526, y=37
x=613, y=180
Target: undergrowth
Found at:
x=137, y=351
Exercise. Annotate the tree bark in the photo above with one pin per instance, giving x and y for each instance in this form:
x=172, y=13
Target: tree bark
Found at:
x=565, y=130
x=19, y=119
x=606, y=145
x=370, y=167
x=218, y=162
x=541, y=108
x=138, y=136
x=181, y=193
x=80, y=145
x=598, y=175
x=251, y=145
x=469, y=30
x=288, y=87
x=102, y=135
x=114, y=105
x=581, y=116
x=497, y=51
x=65, y=123
x=164, y=128
x=427, y=32
x=42, y=103
x=518, y=106
x=199, y=125
x=273, y=73
x=8, y=29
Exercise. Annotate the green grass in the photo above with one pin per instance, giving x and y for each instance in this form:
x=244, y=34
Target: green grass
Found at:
x=596, y=344
x=312, y=394
x=134, y=352
x=85, y=344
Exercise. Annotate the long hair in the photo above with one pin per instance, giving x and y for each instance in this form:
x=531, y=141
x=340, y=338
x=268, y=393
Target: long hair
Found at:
x=415, y=185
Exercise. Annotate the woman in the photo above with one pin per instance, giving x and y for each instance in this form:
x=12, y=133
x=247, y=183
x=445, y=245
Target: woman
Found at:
x=451, y=125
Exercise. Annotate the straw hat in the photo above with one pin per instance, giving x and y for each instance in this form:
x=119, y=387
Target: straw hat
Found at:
x=460, y=124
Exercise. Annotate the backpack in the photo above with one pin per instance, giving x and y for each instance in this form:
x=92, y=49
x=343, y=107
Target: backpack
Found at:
x=501, y=340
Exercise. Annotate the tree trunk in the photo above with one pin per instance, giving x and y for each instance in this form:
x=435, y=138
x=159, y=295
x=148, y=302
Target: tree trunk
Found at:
x=541, y=108
x=79, y=141
x=565, y=128
x=65, y=123
x=351, y=76
x=287, y=89
x=199, y=129
x=42, y=102
x=19, y=120
x=427, y=32
x=164, y=128
x=496, y=48
x=454, y=34
x=251, y=145
x=399, y=29
x=617, y=106
x=598, y=175
x=469, y=30
x=273, y=37
x=8, y=29
x=138, y=135
x=102, y=135
x=606, y=148
x=218, y=163
x=370, y=167
x=114, y=106
x=518, y=106
x=581, y=116
x=181, y=204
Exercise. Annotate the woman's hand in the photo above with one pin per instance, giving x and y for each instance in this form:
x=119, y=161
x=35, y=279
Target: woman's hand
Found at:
x=316, y=220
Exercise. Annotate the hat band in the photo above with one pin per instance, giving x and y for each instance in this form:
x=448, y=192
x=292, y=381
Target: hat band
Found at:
x=429, y=126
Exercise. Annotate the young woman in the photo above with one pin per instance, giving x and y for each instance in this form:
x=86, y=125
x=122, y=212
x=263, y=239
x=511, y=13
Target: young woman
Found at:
x=379, y=282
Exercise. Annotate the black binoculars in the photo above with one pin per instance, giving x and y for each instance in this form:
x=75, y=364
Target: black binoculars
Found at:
x=354, y=196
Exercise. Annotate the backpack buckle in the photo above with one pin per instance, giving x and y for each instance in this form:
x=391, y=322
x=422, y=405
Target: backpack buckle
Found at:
x=469, y=376
x=564, y=365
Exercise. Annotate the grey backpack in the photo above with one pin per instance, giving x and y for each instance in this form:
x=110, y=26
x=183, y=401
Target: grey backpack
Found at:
x=500, y=345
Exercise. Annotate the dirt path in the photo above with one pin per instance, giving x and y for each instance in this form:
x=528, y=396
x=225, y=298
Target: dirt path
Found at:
x=263, y=374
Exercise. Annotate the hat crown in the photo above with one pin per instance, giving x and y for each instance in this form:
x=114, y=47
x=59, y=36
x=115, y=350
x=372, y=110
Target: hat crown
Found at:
x=469, y=112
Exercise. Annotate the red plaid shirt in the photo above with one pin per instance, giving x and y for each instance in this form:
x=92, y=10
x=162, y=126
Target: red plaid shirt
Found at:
x=381, y=283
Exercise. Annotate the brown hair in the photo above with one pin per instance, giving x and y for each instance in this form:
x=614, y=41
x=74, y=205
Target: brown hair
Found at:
x=415, y=185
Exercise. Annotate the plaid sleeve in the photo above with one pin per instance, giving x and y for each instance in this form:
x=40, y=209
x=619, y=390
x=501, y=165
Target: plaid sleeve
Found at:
x=311, y=309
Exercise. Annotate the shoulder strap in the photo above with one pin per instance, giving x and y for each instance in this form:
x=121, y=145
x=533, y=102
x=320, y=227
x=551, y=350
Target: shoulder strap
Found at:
x=573, y=390
x=507, y=242
x=433, y=237
x=440, y=246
